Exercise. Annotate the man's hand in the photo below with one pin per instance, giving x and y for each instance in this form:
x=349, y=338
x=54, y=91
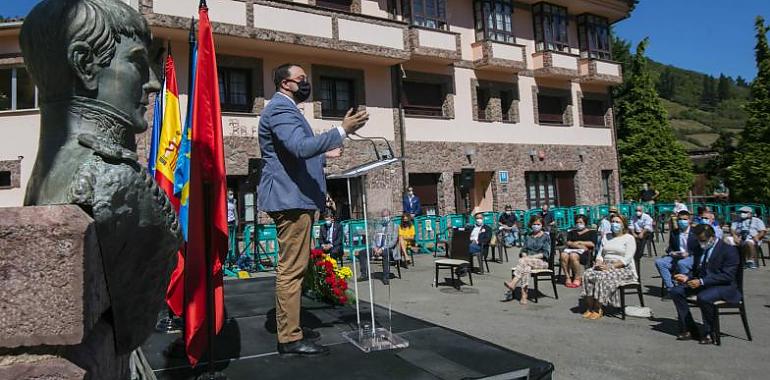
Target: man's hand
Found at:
x=601, y=267
x=354, y=122
x=326, y=247
x=377, y=251
x=680, y=278
x=334, y=153
x=693, y=284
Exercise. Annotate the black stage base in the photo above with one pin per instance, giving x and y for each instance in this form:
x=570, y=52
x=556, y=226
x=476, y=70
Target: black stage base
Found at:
x=246, y=348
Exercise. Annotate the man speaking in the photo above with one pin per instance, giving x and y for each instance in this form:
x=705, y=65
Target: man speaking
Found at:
x=291, y=189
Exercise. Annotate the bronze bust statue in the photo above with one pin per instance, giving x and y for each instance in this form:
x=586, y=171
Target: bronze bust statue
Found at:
x=90, y=62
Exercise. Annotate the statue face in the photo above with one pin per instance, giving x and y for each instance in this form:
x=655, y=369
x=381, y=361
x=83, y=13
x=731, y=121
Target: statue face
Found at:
x=127, y=81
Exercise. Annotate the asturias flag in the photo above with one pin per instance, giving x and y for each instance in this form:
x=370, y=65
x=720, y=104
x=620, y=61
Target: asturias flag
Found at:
x=208, y=210
x=170, y=136
x=157, y=121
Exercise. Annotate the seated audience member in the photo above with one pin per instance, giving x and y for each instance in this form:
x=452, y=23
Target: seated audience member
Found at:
x=534, y=255
x=713, y=278
x=707, y=217
x=641, y=229
x=406, y=237
x=747, y=235
x=383, y=241
x=605, y=227
x=508, y=232
x=331, y=236
x=680, y=245
x=614, y=266
x=581, y=242
x=480, y=236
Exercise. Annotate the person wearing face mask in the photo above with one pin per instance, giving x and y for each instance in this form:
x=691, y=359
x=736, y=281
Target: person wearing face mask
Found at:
x=747, y=235
x=232, y=226
x=406, y=234
x=614, y=266
x=581, y=242
x=534, y=255
x=383, y=243
x=331, y=236
x=713, y=278
x=481, y=235
x=642, y=230
x=291, y=191
x=508, y=232
x=412, y=203
x=681, y=244
x=707, y=217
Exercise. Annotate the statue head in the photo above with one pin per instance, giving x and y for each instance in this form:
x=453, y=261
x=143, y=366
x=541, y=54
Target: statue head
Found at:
x=97, y=49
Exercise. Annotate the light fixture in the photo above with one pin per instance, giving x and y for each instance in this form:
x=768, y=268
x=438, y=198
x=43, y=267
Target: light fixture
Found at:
x=470, y=151
x=582, y=153
x=532, y=154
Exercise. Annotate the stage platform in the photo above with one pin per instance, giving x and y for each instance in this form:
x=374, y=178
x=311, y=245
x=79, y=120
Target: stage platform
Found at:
x=246, y=349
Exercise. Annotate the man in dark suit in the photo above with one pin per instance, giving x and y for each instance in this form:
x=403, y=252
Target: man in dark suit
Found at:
x=412, y=203
x=713, y=278
x=292, y=189
x=481, y=235
x=331, y=236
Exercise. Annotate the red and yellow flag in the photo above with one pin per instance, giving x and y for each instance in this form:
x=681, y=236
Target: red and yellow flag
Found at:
x=171, y=135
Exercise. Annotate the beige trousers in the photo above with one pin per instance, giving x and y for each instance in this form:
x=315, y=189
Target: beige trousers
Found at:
x=294, y=227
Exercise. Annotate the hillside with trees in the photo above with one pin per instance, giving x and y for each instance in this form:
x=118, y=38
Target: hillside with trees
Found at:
x=700, y=107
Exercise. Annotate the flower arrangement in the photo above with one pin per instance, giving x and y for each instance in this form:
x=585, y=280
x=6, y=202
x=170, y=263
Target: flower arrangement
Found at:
x=326, y=280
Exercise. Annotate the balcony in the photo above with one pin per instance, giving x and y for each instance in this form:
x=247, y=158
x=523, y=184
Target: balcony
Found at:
x=318, y=31
x=498, y=56
x=434, y=45
x=600, y=71
x=555, y=65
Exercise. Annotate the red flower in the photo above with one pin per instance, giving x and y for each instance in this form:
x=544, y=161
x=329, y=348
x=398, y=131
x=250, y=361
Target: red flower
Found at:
x=330, y=280
x=343, y=300
x=337, y=292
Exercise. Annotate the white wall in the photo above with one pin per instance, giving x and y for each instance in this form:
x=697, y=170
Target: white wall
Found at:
x=20, y=131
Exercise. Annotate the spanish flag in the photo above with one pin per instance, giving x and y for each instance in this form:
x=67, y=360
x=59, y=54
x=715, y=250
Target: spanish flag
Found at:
x=171, y=135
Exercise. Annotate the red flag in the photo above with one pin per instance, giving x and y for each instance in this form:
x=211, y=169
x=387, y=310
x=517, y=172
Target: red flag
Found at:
x=208, y=211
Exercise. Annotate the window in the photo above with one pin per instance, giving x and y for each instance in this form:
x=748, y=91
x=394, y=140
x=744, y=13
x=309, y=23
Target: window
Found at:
x=5, y=178
x=593, y=112
x=594, y=37
x=235, y=89
x=337, y=96
x=506, y=103
x=423, y=99
x=482, y=97
x=607, y=187
x=551, y=108
x=541, y=189
x=426, y=13
x=341, y=5
x=493, y=20
x=550, y=27
x=16, y=89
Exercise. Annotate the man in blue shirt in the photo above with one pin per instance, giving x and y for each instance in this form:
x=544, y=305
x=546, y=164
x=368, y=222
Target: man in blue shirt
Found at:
x=292, y=189
x=412, y=203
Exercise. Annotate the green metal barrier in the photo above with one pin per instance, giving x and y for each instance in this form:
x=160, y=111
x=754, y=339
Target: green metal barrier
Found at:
x=561, y=217
x=425, y=232
x=354, y=233
x=267, y=238
x=456, y=220
x=316, y=234
x=598, y=212
x=626, y=209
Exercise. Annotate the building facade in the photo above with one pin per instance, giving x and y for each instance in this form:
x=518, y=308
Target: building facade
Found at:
x=517, y=90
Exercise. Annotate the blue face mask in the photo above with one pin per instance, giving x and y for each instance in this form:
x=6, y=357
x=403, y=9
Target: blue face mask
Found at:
x=328, y=222
x=683, y=224
x=616, y=227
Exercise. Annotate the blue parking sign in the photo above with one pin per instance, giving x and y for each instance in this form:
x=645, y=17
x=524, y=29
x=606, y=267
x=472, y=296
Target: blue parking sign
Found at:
x=503, y=176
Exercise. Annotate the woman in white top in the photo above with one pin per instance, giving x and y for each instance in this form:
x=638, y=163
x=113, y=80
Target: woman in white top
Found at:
x=614, y=266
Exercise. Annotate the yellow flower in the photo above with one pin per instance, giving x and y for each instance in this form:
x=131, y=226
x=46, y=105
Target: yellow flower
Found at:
x=345, y=272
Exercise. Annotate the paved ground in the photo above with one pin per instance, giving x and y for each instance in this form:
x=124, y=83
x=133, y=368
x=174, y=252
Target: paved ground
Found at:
x=606, y=349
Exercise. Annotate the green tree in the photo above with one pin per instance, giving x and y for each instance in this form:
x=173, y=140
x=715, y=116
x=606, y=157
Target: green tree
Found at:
x=741, y=82
x=724, y=88
x=647, y=146
x=667, y=83
x=748, y=173
x=724, y=147
x=708, y=97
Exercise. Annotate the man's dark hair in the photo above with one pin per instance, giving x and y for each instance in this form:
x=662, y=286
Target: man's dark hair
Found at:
x=329, y=214
x=683, y=213
x=508, y=207
x=282, y=73
x=704, y=229
x=581, y=217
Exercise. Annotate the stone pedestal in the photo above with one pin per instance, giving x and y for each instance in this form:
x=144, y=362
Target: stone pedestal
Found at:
x=54, y=319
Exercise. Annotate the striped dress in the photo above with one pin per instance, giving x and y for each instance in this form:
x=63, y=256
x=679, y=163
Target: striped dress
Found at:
x=603, y=285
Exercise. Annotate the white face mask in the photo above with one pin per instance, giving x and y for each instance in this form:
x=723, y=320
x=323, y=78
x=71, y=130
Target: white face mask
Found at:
x=580, y=226
x=744, y=215
x=479, y=222
x=536, y=227
x=638, y=213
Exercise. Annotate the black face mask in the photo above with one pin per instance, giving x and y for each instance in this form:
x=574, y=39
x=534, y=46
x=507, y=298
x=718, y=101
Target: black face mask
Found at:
x=303, y=91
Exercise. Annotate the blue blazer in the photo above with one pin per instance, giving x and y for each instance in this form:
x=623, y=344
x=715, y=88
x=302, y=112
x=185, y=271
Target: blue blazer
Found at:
x=720, y=270
x=336, y=238
x=673, y=243
x=412, y=207
x=293, y=176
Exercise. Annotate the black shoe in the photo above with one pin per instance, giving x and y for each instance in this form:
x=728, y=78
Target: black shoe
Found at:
x=302, y=347
x=310, y=334
x=362, y=278
x=684, y=336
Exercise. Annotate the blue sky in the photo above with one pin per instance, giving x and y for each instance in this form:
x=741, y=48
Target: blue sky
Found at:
x=710, y=36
